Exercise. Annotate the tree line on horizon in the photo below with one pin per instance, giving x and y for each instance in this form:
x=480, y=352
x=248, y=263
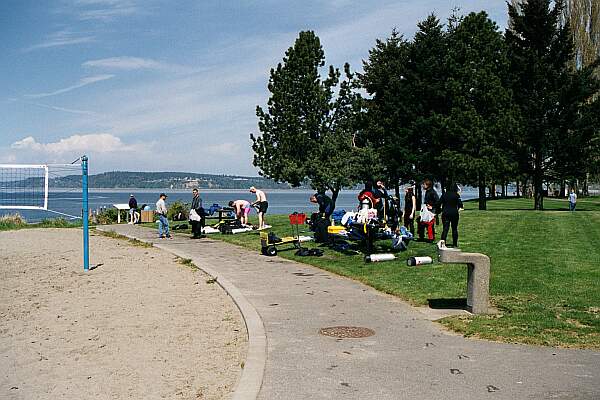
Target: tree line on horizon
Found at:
x=158, y=180
x=460, y=102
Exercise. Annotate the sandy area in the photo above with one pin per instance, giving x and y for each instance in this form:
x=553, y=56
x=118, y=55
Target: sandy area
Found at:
x=140, y=326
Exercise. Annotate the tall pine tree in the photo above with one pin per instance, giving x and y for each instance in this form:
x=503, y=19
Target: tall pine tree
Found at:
x=391, y=108
x=540, y=50
x=481, y=116
x=307, y=130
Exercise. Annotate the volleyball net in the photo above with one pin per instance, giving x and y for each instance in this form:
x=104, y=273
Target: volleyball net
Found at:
x=24, y=187
x=27, y=187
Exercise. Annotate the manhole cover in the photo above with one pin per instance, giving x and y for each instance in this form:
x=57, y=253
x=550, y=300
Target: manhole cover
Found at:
x=347, y=332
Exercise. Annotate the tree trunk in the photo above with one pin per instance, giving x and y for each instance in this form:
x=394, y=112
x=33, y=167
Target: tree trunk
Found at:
x=503, y=190
x=419, y=194
x=334, y=195
x=482, y=197
x=538, y=182
x=585, y=190
x=563, y=189
x=518, y=188
x=493, y=191
x=538, y=189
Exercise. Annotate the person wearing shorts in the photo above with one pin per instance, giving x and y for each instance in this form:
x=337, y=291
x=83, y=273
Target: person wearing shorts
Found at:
x=242, y=209
x=261, y=204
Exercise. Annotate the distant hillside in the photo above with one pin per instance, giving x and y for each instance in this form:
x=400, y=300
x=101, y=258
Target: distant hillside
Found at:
x=166, y=180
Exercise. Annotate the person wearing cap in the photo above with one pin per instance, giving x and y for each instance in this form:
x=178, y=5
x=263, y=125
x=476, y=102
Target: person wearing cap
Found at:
x=133, y=214
x=161, y=212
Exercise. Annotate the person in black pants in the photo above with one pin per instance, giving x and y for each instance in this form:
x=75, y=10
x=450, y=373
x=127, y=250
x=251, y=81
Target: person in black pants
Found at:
x=410, y=205
x=197, y=226
x=450, y=203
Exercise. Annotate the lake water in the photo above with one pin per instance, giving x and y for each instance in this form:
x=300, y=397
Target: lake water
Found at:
x=280, y=201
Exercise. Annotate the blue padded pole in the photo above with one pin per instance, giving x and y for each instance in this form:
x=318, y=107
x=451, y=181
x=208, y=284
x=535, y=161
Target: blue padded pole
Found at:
x=85, y=216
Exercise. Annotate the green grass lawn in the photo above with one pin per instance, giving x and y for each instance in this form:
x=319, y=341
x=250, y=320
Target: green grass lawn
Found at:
x=545, y=271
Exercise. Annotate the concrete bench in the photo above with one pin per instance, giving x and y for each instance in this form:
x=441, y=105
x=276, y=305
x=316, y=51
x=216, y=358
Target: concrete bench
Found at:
x=478, y=276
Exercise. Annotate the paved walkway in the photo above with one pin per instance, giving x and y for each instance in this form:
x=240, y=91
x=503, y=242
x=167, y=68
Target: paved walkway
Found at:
x=409, y=357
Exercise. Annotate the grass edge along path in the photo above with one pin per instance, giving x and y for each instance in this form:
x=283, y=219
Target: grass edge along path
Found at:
x=545, y=272
x=15, y=221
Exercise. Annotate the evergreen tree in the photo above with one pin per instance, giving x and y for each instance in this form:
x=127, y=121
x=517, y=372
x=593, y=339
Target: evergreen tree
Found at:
x=333, y=158
x=307, y=130
x=408, y=98
x=428, y=74
x=540, y=53
x=575, y=148
x=481, y=117
x=296, y=112
x=391, y=108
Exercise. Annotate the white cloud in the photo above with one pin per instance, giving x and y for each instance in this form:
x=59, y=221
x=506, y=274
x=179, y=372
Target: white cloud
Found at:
x=60, y=39
x=134, y=63
x=76, y=144
x=223, y=149
x=62, y=109
x=103, y=10
x=82, y=82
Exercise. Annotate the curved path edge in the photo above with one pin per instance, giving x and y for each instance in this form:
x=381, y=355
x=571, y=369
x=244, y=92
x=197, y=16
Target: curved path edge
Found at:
x=250, y=382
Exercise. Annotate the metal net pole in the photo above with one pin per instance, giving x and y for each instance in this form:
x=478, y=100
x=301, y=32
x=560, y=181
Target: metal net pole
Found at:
x=85, y=216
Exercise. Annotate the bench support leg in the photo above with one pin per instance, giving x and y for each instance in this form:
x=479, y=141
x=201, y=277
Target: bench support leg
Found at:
x=478, y=286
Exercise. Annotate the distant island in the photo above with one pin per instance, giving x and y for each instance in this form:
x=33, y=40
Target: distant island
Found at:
x=166, y=180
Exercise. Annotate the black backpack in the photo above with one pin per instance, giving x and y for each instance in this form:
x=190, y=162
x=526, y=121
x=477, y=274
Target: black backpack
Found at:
x=320, y=228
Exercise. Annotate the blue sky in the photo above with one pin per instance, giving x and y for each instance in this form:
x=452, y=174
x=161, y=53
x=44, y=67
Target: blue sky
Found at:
x=168, y=85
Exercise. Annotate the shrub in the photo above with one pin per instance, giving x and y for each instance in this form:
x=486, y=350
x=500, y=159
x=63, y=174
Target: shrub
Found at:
x=178, y=211
x=12, y=221
x=107, y=216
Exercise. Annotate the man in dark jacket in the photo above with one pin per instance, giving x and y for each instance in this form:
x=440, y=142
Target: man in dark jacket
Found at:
x=134, y=215
x=320, y=221
x=450, y=203
x=197, y=226
x=325, y=203
x=383, y=206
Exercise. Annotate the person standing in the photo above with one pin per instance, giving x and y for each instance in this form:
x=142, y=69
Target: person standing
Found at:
x=261, y=204
x=381, y=193
x=430, y=200
x=410, y=206
x=572, y=200
x=450, y=203
x=163, y=222
x=241, y=208
x=133, y=213
x=199, y=221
